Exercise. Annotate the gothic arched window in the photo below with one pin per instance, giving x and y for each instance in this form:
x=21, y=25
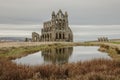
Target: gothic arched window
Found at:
x=63, y=36
x=60, y=36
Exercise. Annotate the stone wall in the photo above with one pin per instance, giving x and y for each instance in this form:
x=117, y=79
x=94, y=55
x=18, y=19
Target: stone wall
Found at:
x=35, y=37
x=103, y=39
x=57, y=29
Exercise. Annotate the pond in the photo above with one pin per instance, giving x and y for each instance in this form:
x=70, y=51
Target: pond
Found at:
x=62, y=55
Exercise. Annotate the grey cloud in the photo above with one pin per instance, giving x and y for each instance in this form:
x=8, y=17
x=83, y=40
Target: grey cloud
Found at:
x=80, y=11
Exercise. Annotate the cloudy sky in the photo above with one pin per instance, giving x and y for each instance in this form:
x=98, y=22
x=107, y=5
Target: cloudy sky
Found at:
x=90, y=12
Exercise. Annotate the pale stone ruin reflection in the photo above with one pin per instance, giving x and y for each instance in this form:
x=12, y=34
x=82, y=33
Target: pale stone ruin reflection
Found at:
x=57, y=29
x=57, y=55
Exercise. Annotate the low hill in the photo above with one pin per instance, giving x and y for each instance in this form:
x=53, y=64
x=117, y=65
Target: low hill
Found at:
x=4, y=39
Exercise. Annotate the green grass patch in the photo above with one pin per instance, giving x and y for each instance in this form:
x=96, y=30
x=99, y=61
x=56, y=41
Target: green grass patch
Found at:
x=16, y=52
x=115, y=42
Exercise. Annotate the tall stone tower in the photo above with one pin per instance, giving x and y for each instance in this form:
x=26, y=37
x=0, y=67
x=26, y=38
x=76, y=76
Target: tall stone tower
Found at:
x=57, y=29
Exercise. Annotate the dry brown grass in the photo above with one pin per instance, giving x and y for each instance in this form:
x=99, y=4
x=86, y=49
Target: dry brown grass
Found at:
x=11, y=71
x=91, y=70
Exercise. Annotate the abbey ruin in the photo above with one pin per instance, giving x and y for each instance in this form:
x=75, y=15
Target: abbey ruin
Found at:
x=57, y=29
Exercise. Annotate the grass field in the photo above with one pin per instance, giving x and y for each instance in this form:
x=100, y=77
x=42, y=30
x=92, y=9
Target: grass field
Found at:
x=116, y=42
x=89, y=70
x=21, y=49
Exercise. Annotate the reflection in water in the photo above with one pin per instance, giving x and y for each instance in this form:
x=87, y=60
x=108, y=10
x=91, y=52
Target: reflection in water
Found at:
x=57, y=55
x=62, y=55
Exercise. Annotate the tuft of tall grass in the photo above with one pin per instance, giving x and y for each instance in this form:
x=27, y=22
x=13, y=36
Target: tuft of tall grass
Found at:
x=89, y=70
x=11, y=71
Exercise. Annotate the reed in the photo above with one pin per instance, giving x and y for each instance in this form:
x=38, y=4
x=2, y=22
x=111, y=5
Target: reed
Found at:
x=11, y=71
x=89, y=70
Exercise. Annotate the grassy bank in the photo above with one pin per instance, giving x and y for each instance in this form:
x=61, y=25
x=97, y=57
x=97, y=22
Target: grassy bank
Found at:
x=91, y=70
x=16, y=52
x=112, y=49
x=116, y=42
x=13, y=52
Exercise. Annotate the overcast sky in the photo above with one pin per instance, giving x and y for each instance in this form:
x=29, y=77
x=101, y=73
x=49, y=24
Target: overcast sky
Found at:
x=80, y=11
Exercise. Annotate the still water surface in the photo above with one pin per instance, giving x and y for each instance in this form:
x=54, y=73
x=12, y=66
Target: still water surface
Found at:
x=62, y=55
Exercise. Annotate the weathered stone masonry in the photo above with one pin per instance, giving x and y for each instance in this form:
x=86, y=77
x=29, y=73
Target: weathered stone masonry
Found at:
x=57, y=29
x=35, y=37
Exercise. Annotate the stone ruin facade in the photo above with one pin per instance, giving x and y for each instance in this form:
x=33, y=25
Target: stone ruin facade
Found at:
x=103, y=39
x=35, y=37
x=57, y=29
